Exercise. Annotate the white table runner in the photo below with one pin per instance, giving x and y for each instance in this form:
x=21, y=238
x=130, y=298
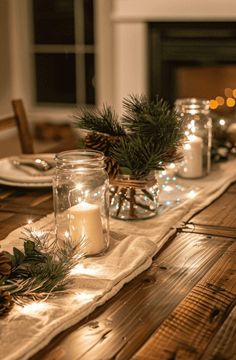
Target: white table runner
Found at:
x=26, y=330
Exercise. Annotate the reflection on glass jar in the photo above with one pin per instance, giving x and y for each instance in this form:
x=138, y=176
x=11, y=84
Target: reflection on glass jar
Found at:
x=198, y=137
x=134, y=199
x=81, y=201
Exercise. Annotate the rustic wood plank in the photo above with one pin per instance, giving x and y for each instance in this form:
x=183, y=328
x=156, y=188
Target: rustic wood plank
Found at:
x=187, y=332
x=229, y=232
x=23, y=210
x=223, y=345
x=123, y=324
x=35, y=202
x=14, y=221
x=222, y=212
x=5, y=193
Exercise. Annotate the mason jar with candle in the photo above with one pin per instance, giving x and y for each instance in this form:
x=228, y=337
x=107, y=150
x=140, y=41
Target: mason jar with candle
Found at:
x=196, y=148
x=81, y=201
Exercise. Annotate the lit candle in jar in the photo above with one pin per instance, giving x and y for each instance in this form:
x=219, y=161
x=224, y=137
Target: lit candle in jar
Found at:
x=85, y=225
x=192, y=165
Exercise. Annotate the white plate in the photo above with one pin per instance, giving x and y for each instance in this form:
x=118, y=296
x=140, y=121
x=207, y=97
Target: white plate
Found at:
x=26, y=185
x=13, y=176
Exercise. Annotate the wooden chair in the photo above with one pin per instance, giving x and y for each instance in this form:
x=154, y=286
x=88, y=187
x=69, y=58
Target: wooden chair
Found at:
x=19, y=120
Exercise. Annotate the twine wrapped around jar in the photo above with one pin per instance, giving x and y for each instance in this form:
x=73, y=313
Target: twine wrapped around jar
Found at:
x=133, y=199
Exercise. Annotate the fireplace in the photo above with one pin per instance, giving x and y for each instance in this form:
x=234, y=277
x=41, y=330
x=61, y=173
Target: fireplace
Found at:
x=191, y=59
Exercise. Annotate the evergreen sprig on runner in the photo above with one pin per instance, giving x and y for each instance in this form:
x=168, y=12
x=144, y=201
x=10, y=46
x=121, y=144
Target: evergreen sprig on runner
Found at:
x=35, y=273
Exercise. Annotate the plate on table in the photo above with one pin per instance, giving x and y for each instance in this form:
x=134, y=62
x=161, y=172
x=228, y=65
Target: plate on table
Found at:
x=23, y=175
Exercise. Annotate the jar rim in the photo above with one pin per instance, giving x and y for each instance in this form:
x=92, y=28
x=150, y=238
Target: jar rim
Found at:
x=80, y=156
x=192, y=101
x=192, y=106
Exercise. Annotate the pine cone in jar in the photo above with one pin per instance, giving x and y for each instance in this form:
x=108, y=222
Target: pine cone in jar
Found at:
x=5, y=264
x=6, y=302
x=111, y=166
x=100, y=142
x=97, y=142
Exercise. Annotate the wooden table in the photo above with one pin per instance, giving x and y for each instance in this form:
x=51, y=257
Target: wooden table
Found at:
x=182, y=307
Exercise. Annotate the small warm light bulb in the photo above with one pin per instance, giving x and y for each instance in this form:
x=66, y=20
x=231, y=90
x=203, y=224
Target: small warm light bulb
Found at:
x=228, y=92
x=220, y=100
x=67, y=234
x=34, y=308
x=230, y=102
x=222, y=122
x=84, y=297
x=213, y=104
x=168, y=188
x=172, y=166
x=80, y=269
x=187, y=146
x=191, y=194
x=29, y=221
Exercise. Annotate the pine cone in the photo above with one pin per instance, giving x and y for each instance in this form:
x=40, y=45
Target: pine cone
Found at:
x=97, y=142
x=100, y=142
x=5, y=264
x=6, y=302
x=111, y=166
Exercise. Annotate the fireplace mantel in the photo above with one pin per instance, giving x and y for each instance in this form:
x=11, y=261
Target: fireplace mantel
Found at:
x=130, y=18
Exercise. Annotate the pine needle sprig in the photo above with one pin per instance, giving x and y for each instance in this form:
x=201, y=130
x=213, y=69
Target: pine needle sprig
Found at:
x=136, y=157
x=39, y=270
x=151, y=120
x=100, y=120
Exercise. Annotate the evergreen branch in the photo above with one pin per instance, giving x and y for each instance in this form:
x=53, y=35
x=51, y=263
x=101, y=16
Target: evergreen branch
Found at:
x=104, y=121
x=151, y=120
x=41, y=269
x=139, y=157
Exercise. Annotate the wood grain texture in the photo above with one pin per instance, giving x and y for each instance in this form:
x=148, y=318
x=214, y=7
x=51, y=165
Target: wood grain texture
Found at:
x=11, y=221
x=122, y=325
x=229, y=232
x=222, y=212
x=25, y=136
x=18, y=206
x=223, y=345
x=187, y=332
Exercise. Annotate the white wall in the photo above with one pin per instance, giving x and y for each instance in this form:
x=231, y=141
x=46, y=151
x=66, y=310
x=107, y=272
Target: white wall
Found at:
x=5, y=70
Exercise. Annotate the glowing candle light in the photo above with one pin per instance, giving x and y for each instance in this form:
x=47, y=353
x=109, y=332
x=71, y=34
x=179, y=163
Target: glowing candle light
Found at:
x=86, y=227
x=192, y=166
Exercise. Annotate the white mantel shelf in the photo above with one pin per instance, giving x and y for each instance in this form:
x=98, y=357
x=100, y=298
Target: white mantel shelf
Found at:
x=174, y=10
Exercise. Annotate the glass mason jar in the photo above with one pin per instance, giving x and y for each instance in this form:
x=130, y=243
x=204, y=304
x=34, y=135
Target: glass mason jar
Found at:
x=81, y=201
x=134, y=199
x=198, y=137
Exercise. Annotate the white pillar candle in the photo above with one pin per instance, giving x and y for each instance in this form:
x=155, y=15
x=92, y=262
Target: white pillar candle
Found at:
x=192, y=165
x=86, y=227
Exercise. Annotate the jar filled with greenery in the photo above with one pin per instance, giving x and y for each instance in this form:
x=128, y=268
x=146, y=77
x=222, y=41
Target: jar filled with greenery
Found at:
x=144, y=140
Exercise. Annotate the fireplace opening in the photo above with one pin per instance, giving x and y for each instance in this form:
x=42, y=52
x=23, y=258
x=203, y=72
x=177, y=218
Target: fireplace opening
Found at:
x=191, y=59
